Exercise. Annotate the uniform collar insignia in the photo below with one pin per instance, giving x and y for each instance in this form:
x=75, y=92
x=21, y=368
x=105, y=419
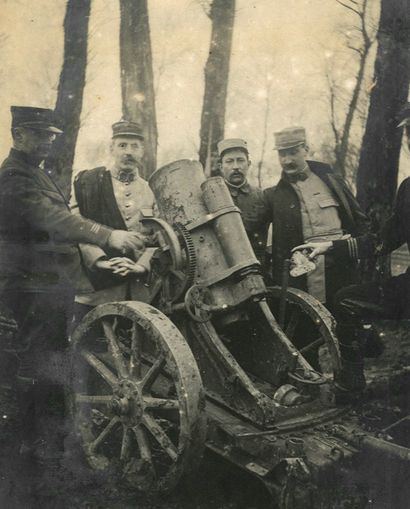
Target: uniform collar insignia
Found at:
x=294, y=177
x=22, y=156
x=236, y=190
x=125, y=176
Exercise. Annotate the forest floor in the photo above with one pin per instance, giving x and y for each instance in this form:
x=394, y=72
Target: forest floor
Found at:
x=68, y=484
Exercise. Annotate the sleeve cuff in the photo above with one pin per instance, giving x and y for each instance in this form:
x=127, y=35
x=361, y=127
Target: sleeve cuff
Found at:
x=146, y=257
x=104, y=234
x=347, y=248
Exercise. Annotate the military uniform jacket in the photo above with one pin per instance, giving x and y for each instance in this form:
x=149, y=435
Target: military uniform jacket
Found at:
x=393, y=235
x=38, y=233
x=255, y=217
x=287, y=229
x=95, y=198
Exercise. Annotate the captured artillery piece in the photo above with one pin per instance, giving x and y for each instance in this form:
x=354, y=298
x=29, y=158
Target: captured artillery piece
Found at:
x=205, y=363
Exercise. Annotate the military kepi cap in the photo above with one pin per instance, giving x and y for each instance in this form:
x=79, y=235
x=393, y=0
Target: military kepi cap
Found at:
x=404, y=115
x=127, y=128
x=34, y=118
x=289, y=137
x=230, y=144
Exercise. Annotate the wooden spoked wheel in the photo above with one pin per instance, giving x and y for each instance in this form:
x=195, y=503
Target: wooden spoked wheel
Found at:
x=138, y=397
x=310, y=327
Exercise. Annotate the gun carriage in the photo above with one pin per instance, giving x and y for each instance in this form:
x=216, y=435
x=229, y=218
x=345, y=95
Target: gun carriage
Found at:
x=205, y=363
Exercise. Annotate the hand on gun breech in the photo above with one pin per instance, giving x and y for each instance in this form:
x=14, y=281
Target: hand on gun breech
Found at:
x=126, y=242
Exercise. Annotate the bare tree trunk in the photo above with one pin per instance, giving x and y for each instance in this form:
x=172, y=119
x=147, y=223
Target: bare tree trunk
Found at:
x=363, y=52
x=264, y=131
x=343, y=148
x=342, y=136
x=137, y=81
x=222, y=15
x=379, y=158
x=70, y=90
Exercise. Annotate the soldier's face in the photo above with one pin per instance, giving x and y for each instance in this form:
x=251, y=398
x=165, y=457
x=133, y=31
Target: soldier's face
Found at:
x=234, y=166
x=34, y=142
x=127, y=152
x=293, y=159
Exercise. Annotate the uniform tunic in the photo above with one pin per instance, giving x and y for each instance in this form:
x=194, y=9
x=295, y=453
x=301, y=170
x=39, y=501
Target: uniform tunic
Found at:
x=291, y=226
x=40, y=262
x=38, y=234
x=390, y=298
x=131, y=199
x=320, y=222
x=255, y=216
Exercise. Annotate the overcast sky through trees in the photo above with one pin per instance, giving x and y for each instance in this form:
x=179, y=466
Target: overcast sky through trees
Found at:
x=289, y=42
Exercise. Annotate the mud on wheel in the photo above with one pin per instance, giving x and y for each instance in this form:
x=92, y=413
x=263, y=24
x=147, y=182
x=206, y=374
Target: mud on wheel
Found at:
x=310, y=327
x=138, y=397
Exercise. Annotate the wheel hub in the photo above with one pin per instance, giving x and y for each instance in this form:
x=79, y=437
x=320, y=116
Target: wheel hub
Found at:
x=120, y=406
x=127, y=401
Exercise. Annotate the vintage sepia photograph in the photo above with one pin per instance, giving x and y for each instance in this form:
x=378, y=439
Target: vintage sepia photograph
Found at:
x=204, y=254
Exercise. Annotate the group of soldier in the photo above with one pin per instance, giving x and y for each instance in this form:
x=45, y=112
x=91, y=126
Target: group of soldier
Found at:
x=58, y=262
x=313, y=210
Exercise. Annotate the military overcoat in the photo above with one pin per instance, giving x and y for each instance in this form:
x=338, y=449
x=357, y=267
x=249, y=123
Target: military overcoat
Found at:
x=38, y=233
x=287, y=230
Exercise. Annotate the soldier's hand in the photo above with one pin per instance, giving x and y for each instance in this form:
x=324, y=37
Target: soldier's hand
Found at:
x=314, y=248
x=125, y=266
x=126, y=241
x=103, y=264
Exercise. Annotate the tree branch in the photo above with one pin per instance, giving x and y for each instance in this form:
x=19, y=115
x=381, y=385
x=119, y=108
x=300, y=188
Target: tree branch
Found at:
x=348, y=7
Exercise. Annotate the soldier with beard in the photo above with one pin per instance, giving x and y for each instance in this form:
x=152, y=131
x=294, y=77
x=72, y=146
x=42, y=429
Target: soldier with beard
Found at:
x=117, y=197
x=40, y=266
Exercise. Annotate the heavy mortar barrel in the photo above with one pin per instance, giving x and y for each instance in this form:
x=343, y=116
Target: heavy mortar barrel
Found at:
x=177, y=189
x=228, y=224
x=226, y=264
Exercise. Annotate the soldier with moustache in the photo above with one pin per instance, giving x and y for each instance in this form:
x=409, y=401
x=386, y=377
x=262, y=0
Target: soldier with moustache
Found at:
x=358, y=306
x=119, y=197
x=40, y=265
x=311, y=203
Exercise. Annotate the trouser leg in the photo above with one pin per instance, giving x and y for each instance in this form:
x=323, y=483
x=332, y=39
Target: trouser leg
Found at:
x=42, y=321
x=355, y=308
x=79, y=311
x=350, y=306
x=351, y=376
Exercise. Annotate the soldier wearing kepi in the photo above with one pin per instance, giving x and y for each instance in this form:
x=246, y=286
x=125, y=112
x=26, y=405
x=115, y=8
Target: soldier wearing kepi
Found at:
x=357, y=306
x=234, y=165
x=311, y=203
x=118, y=197
x=40, y=261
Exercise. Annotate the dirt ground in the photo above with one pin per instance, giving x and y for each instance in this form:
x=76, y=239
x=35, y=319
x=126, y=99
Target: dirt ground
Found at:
x=67, y=484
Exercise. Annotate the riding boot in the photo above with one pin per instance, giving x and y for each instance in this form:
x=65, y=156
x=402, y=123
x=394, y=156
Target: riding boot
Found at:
x=26, y=398
x=350, y=380
x=373, y=345
x=42, y=431
x=41, y=409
